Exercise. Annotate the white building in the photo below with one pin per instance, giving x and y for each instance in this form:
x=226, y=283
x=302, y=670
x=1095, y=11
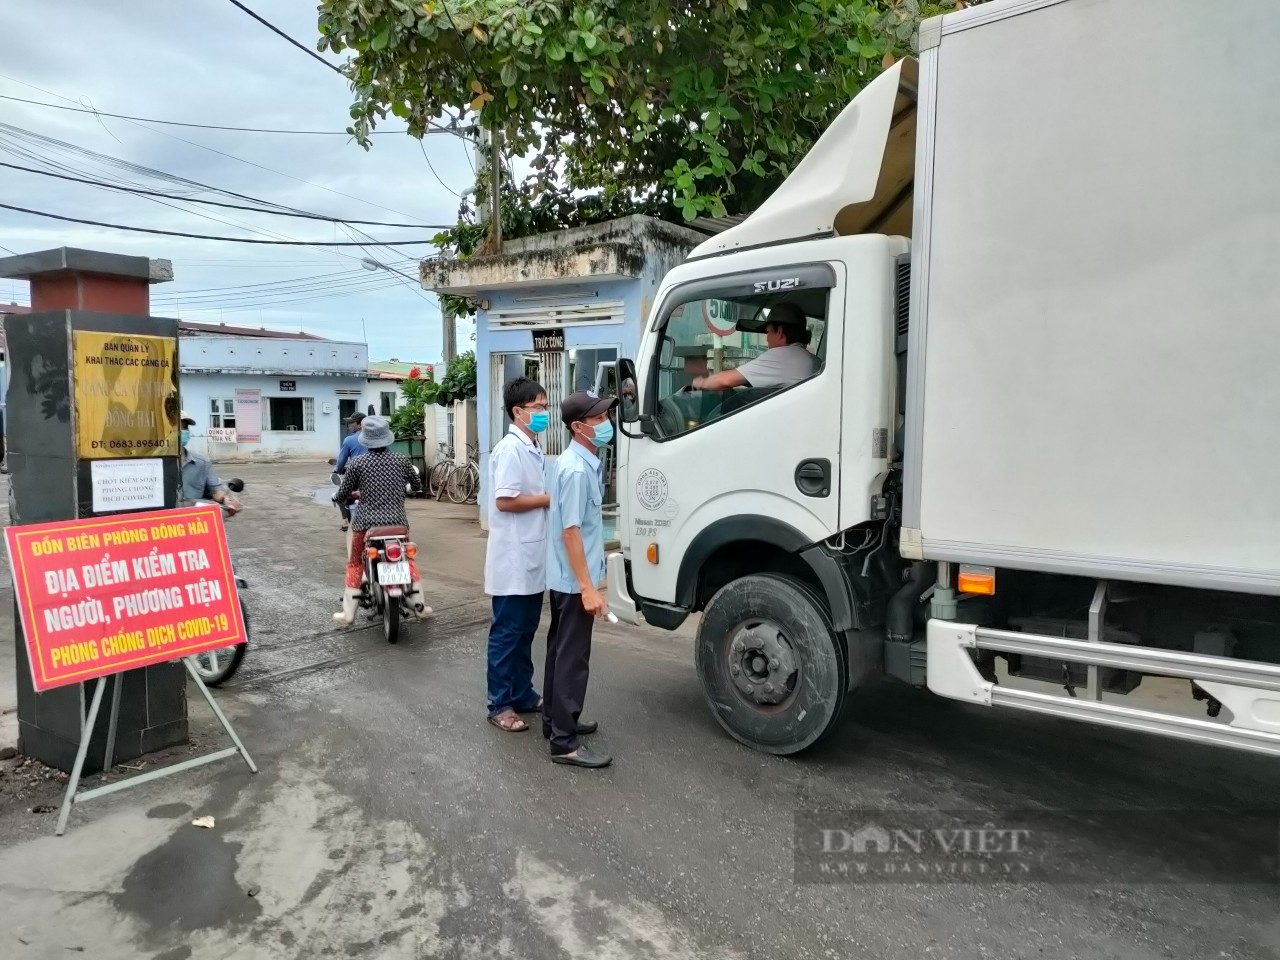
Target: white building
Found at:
x=272, y=395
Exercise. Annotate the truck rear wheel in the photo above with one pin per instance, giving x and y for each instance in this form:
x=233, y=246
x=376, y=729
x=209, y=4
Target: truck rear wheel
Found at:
x=772, y=667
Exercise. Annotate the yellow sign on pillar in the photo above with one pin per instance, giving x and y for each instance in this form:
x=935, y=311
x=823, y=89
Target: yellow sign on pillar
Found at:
x=126, y=395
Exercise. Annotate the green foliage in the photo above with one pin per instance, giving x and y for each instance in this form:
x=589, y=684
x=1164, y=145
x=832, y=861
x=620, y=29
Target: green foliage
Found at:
x=676, y=108
x=419, y=392
x=459, y=380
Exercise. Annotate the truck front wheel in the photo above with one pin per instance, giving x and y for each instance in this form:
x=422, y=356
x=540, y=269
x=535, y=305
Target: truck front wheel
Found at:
x=772, y=667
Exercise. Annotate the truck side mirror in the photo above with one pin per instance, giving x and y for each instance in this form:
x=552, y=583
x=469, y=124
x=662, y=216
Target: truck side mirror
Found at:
x=628, y=402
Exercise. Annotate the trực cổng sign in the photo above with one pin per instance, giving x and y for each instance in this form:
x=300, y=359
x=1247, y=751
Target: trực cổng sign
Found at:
x=101, y=595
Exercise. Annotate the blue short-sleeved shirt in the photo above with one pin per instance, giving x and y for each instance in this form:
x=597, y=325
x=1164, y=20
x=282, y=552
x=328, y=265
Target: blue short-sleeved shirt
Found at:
x=351, y=447
x=577, y=498
x=199, y=479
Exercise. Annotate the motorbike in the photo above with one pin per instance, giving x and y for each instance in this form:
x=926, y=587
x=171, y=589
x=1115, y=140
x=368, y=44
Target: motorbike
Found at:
x=414, y=487
x=218, y=666
x=385, y=584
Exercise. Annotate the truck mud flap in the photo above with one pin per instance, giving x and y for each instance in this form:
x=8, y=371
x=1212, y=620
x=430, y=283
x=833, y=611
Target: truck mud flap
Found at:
x=1249, y=690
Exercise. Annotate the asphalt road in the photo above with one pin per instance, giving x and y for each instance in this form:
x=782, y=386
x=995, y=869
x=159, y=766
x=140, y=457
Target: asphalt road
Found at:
x=390, y=821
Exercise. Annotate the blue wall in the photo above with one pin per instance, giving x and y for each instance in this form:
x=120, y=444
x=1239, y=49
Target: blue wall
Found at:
x=635, y=295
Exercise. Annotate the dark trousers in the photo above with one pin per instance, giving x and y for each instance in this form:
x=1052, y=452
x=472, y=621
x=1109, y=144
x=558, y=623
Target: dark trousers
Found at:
x=564, y=678
x=515, y=621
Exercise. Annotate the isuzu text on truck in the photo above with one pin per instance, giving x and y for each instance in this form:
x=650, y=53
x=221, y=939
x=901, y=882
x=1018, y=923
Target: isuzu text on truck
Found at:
x=1038, y=457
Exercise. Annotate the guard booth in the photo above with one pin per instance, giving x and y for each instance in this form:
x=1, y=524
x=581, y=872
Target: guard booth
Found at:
x=561, y=308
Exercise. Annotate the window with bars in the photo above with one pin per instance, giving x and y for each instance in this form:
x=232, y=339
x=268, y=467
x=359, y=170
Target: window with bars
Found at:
x=291, y=413
x=222, y=414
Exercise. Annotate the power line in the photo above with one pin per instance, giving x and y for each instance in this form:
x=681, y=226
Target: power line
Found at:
x=221, y=153
x=280, y=33
x=268, y=296
x=432, y=167
x=436, y=127
x=202, y=236
x=212, y=203
x=240, y=307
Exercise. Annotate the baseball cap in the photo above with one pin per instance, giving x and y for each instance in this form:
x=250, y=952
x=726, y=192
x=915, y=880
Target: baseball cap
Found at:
x=580, y=405
x=186, y=418
x=786, y=313
x=356, y=418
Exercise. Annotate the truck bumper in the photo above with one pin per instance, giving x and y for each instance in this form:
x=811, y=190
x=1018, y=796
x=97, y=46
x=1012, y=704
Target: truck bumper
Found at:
x=621, y=604
x=1249, y=690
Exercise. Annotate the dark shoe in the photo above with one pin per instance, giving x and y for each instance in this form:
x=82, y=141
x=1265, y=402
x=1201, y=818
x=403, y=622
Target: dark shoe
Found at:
x=583, y=757
x=584, y=728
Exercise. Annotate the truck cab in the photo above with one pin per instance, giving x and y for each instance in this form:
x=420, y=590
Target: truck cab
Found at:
x=779, y=479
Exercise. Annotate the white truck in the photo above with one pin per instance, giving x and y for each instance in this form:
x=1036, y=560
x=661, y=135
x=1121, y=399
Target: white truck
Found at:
x=1039, y=455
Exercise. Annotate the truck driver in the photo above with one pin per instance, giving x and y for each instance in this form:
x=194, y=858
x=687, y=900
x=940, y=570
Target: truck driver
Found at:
x=786, y=362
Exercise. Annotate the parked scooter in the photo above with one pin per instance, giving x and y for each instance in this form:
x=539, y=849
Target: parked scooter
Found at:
x=216, y=667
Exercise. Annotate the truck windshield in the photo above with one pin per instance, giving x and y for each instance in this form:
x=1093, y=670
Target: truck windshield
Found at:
x=704, y=338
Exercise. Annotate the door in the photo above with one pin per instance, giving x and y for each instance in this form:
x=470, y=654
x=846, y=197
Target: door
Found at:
x=346, y=410
x=757, y=460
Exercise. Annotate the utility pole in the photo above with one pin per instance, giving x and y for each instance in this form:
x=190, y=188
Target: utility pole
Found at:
x=495, y=189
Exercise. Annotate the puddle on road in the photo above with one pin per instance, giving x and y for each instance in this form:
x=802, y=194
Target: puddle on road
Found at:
x=324, y=495
x=187, y=883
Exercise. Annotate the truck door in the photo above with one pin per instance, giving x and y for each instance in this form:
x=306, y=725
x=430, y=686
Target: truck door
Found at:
x=758, y=461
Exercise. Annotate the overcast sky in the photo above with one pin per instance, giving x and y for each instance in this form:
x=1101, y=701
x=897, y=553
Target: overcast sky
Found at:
x=205, y=61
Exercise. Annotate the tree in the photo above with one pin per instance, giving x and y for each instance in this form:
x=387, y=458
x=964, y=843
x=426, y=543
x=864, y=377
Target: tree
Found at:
x=676, y=108
x=410, y=417
x=459, y=380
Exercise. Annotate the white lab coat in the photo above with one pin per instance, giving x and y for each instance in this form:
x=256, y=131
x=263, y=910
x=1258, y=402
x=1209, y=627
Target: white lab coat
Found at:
x=515, y=561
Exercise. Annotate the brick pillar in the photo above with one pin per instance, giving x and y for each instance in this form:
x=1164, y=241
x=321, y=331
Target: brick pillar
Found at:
x=75, y=291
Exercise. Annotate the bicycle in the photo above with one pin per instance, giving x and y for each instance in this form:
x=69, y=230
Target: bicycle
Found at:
x=464, y=479
x=438, y=478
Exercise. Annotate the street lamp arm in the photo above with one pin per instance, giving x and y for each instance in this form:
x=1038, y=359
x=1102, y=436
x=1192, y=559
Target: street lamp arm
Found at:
x=370, y=264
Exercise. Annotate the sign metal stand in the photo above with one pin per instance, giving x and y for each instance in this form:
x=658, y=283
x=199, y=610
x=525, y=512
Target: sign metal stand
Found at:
x=86, y=731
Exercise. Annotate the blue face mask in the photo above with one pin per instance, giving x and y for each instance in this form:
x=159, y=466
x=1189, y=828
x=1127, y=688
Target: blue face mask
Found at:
x=603, y=433
x=184, y=437
x=538, y=421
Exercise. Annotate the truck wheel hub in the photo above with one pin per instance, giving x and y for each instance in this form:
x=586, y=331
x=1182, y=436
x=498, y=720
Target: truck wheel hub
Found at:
x=761, y=663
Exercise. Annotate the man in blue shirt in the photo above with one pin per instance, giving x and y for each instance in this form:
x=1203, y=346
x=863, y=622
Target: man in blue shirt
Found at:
x=575, y=570
x=351, y=447
x=199, y=480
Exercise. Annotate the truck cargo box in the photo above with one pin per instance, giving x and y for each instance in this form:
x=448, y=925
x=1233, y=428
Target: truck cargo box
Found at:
x=1094, y=366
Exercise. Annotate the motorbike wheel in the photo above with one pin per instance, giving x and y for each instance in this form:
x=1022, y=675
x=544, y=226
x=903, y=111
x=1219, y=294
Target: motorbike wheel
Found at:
x=391, y=619
x=216, y=667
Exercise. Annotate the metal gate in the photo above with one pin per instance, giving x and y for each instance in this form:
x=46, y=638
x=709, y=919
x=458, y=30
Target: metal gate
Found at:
x=549, y=370
x=552, y=375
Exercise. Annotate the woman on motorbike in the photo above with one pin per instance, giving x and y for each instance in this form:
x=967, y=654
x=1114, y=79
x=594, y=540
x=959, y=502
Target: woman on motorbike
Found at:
x=380, y=475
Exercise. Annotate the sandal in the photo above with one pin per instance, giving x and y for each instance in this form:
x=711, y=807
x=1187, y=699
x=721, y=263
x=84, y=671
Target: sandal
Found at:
x=508, y=722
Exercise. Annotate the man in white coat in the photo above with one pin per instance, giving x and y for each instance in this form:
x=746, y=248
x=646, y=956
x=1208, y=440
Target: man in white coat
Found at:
x=515, y=565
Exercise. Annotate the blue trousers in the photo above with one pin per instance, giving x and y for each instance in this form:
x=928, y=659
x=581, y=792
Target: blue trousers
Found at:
x=515, y=621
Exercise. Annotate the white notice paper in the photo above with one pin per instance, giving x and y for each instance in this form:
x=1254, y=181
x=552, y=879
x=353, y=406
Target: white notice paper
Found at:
x=127, y=485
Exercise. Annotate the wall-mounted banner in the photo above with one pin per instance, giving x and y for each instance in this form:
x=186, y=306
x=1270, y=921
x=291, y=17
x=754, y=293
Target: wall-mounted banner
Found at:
x=126, y=395
x=101, y=595
x=248, y=416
